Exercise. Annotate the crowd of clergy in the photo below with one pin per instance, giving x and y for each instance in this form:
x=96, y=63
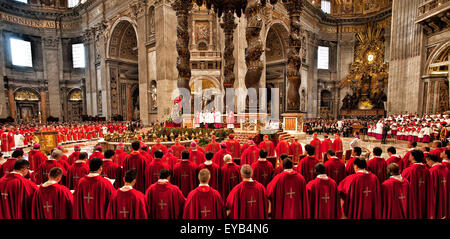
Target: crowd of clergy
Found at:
x=207, y=183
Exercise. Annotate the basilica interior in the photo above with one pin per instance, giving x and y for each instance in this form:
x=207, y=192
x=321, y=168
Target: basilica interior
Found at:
x=73, y=60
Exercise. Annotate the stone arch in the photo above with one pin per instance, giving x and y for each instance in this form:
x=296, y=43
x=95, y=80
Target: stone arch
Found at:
x=437, y=55
x=26, y=94
x=27, y=102
x=209, y=85
x=123, y=39
x=75, y=104
x=280, y=32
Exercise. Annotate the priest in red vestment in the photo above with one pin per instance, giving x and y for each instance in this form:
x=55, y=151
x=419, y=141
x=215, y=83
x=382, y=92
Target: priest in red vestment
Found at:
x=93, y=194
x=170, y=159
x=282, y=148
x=349, y=169
x=112, y=170
x=204, y=202
x=44, y=169
x=163, y=199
x=436, y=149
x=96, y=154
x=361, y=193
x=153, y=169
x=405, y=160
x=195, y=155
x=393, y=157
x=438, y=194
x=229, y=176
x=377, y=165
x=127, y=202
x=338, y=146
x=262, y=169
x=77, y=171
x=16, y=192
x=213, y=168
x=334, y=167
x=184, y=174
x=296, y=150
x=316, y=143
x=177, y=148
x=36, y=157
x=250, y=155
x=233, y=146
x=287, y=194
x=8, y=165
x=268, y=146
x=120, y=155
x=307, y=164
x=246, y=145
x=145, y=153
x=52, y=200
x=136, y=161
x=74, y=156
x=218, y=157
x=213, y=146
x=325, y=145
x=248, y=199
x=395, y=194
x=323, y=196
x=419, y=178
x=158, y=146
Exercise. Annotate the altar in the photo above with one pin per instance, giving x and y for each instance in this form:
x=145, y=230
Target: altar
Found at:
x=47, y=139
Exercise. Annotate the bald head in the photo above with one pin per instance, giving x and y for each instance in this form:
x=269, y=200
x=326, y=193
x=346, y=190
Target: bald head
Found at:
x=204, y=176
x=246, y=171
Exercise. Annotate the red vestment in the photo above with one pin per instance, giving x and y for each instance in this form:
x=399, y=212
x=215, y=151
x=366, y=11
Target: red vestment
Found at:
x=36, y=157
x=287, y=193
x=218, y=157
x=148, y=158
x=214, y=171
x=119, y=156
x=325, y=146
x=177, y=148
x=262, y=171
x=349, y=169
x=230, y=176
x=405, y=160
x=362, y=196
x=234, y=148
x=306, y=167
x=129, y=204
x=337, y=145
x=438, y=194
x=184, y=176
x=73, y=157
x=247, y=201
x=316, y=143
x=395, y=159
x=152, y=171
x=213, y=146
x=250, y=155
x=95, y=154
x=419, y=178
x=324, y=200
x=335, y=169
x=112, y=170
x=394, y=198
x=296, y=151
x=91, y=198
x=197, y=157
x=268, y=146
x=136, y=161
x=378, y=166
x=204, y=203
x=77, y=171
x=16, y=196
x=164, y=201
x=158, y=146
x=170, y=160
x=7, y=166
x=282, y=148
x=52, y=202
x=44, y=169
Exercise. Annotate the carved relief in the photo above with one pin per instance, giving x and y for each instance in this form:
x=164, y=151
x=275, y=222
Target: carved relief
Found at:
x=443, y=97
x=202, y=33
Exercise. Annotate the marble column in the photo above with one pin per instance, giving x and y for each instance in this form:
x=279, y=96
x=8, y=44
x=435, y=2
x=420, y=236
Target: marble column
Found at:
x=43, y=112
x=12, y=104
x=52, y=51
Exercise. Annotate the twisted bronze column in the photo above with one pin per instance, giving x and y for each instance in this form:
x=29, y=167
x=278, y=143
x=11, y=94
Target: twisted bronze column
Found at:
x=228, y=27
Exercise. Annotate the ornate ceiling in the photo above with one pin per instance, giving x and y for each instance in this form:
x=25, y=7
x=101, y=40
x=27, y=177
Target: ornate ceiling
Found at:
x=353, y=8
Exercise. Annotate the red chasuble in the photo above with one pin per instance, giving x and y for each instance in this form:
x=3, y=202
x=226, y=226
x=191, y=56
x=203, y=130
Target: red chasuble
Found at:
x=177, y=148
x=119, y=157
x=438, y=195
x=214, y=171
x=349, y=169
x=218, y=157
x=44, y=169
x=95, y=154
x=247, y=201
x=296, y=150
x=287, y=192
x=127, y=204
x=282, y=148
x=36, y=158
x=73, y=157
x=325, y=146
x=204, y=203
x=395, y=159
x=52, y=202
x=160, y=147
x=184, y=176
x=315, y=142
x=152, y=171
x=250, y=155
x=419, y=178
x=213, y=146
x=405, y=160
x=230, y=176
x=75, y=173
x=378, y=167
x=306, y=167
x=234, y=147
x=394, y=198
x=7, y=166
x=91, y=198
x=170, y=160
x=16, y=196
x=164, y=201
x=113, y=171
x=337, y=145
x=335, y=169
x=145, y=155
x=268, y=146
x=136, y=161
x=324, y=199
x=197, y=157
x=262, y=171
x=361, y=195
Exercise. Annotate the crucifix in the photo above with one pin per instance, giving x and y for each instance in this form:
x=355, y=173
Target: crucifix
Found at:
x=124, y=212
x=205, y=211
x=325, y=198
x=251, y=201
x=162, y=204
x=88, y=197
x=46, y=206
x=290, y=193
x=367, y=191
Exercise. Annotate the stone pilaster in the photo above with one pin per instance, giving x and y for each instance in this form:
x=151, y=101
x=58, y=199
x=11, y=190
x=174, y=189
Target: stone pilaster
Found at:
x=53, y=68
x=3, y=107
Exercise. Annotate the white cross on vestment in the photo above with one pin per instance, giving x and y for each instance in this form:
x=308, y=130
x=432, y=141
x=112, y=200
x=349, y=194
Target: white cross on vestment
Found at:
x=265, y=175
x=88, y=197
x=162, y=204
x=76, y=177
x=325, y=197
x=367, y=191
x=233, y=177
x=421, y=182
x=251, y=201
x=184, y=175
x=124, y=212
x=5, y=195
x=205, y=211
x=336, y=172
x=46, y=206
x=444, y=181
x=401, y=196
x=290, y=193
